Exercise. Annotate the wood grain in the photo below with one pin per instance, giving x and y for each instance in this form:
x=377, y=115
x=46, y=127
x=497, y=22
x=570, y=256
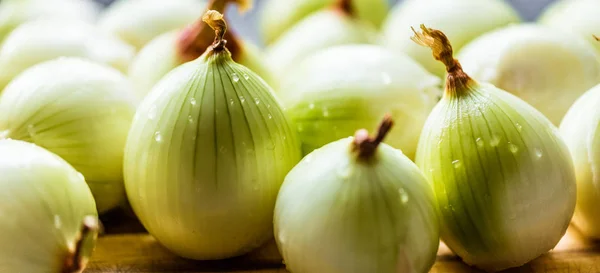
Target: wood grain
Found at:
x=140, y=252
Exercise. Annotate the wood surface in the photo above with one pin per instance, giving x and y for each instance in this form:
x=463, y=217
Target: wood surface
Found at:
x=126, y=247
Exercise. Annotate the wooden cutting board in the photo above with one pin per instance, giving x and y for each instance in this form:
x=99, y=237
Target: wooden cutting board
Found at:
x=126, y=248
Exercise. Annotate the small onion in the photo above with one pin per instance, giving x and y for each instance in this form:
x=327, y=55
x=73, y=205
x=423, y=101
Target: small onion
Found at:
x=174, y=48
x=339, y=89
x=461, y=20
x=44, y=40
x=502, y=175
x=547, y=68
x=16, y=12
x=78, y=110
x=207, y=152
x=357, y=205
x=581, y=131
x=278, y=16
x=335, y=26
x=579, y=17
x=49, y=220
x=137, y=22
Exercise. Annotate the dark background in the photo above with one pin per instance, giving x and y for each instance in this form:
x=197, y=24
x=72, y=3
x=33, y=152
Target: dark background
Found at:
x=246, y=24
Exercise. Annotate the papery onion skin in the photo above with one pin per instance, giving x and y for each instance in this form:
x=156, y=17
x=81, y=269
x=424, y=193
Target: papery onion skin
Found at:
x=578, y=17
x=78, y=110
x=339, y=89
x=45, y=202
x=279, y=16
x=339, y=213
x=16, y=12
x=139, y=21
x=207, y=152
x=502, y=175
x=334, y=26
x=580, y=130
x=47, y=39
x=461, y=20
x=547, y=68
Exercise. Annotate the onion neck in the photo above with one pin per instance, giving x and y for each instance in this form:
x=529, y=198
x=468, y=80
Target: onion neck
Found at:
x=345, y=7
x=457, y=81
x=597, y=38
x=84, y=245
x=365, y=146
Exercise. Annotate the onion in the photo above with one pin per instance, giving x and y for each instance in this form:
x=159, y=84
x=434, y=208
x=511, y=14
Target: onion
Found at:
x=357, y=205
x=16, y=12
x=580, y=129
x=78, y=110
x=172, y=49
x=139, y=21
x=335, y=26
x=502, y=175
x=50, y=222
x=546, y=68
x=207, y=152
x=336, y=90
x=579, y=17
x=279, y=16
x=44, y=40
x=461, y=20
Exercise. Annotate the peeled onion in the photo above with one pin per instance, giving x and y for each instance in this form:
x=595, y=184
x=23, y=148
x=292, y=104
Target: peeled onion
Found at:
x=172, y=49
x=49, y=220
x=579, y=17
x=502, y=175
x=137, y=22
x=339, y=89
x=78, y=110
x=16, y=12
x=44, y=40
x=356, y=205
x=336, y=25
x=547, y=68
x=581, y=131
x=461, y=20
x=279, y=16
x=207, y=152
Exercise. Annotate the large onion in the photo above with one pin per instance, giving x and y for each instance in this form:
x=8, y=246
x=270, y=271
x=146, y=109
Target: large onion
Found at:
x=461, y=20
x=581, y=131
x=579, y=17
x=502, y=175
x=49, y=219
x=207, y=152
x=336, y=25
x=139, y=21
x=278, y=16
x=44, y=40
x=78, y=110
x=336, y=90
x=356, y=205
x=172, y=49
x=16, y=12
x=547, y=68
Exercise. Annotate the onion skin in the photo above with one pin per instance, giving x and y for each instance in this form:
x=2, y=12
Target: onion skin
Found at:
x=137, y=22
x=203, y=173
x=338, y=213
x=461, y=20
x=78, y=110
x=47, y=201
x=16, y=12
x=47, y=39
x=547, y=68
x=502, y=175
x=580, y=131
x=339, y=89
x=279, y=16
x=579, y=17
